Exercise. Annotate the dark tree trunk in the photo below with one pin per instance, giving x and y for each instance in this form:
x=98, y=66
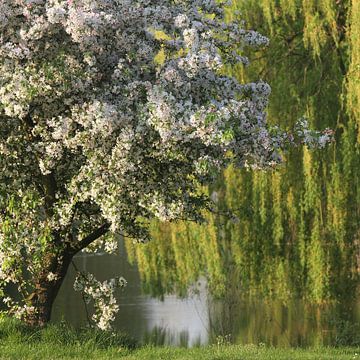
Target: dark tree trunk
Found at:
x=46, y=289
x=56, y=264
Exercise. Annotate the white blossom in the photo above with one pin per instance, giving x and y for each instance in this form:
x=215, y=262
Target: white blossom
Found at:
x=102, y=294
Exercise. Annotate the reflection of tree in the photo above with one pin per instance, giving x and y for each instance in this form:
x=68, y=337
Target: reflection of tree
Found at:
x=161, y=336
x=274, y=323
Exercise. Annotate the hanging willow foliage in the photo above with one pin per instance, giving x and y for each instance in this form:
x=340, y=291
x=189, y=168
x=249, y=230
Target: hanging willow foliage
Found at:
x=296, y=229
x=353, y=83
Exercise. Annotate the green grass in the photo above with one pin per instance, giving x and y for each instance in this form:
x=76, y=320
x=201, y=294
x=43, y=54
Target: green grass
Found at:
x=63, y=342
x=230, y=352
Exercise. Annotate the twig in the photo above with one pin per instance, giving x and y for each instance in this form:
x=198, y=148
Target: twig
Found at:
x=82, y=295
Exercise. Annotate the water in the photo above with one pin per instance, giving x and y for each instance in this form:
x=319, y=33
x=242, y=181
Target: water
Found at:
x=198, y=319
x=167, y=321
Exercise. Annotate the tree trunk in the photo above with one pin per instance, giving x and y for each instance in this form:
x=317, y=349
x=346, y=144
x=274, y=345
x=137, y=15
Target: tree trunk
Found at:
x=46, y=289
x=49, y=281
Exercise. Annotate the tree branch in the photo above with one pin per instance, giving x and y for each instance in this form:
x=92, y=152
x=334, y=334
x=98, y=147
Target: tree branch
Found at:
x=47, y=181
x=90, y=323
x=50, y=187
x=102, y=230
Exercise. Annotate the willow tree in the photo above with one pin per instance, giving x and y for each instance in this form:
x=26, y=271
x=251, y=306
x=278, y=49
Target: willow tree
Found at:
x=297, y=232
x=96, y=138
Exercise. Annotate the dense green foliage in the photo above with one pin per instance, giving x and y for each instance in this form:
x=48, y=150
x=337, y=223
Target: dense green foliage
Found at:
x=295, y=232
x=61, y=342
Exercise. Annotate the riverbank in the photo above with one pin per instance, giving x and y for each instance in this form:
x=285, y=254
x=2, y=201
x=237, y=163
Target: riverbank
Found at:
x=62, y=342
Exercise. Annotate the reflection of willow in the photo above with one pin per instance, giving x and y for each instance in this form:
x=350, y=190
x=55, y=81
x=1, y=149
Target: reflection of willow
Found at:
x=295, y=324
x=160, y=336
x=297, y=229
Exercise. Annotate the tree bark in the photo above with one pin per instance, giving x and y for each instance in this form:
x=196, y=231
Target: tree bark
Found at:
x=47, y=288
x=51, y=278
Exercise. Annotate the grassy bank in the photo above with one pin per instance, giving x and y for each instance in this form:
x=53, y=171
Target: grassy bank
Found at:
x=62, y=342
x=48, y=352
x=53, y=351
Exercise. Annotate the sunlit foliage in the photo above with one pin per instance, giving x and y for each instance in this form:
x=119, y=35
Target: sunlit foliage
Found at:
x=296, y=231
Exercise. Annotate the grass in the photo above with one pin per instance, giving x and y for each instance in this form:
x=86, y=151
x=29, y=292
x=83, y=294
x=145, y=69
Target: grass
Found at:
x=230, y=352
x=63, y=342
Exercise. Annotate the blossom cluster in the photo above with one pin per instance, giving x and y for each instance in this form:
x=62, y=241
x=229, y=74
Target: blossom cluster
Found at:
x=102, y=295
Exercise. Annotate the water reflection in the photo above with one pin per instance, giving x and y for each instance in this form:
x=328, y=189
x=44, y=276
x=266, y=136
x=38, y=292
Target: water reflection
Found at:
x=168, y=321
x=197, y=319
x=294, y=324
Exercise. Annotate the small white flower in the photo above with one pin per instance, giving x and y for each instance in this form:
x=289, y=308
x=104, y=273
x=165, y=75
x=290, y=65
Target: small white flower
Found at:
x=51, y=276
x=182, y=21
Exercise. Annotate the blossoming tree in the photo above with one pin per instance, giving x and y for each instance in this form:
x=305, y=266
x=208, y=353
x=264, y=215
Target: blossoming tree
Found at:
x=97, y=138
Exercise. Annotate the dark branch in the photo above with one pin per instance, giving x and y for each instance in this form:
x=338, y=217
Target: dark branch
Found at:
x=90, y=323
x=102, y=230
x=50, y=188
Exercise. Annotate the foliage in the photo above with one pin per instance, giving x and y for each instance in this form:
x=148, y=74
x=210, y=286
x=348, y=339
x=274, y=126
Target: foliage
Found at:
x=102, y=294
x=347, y=333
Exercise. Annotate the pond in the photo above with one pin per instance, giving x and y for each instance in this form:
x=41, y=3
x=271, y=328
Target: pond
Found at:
x=198, y=319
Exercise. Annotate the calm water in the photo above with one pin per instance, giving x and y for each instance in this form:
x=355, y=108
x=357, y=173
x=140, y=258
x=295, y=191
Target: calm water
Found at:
x=200, y=320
